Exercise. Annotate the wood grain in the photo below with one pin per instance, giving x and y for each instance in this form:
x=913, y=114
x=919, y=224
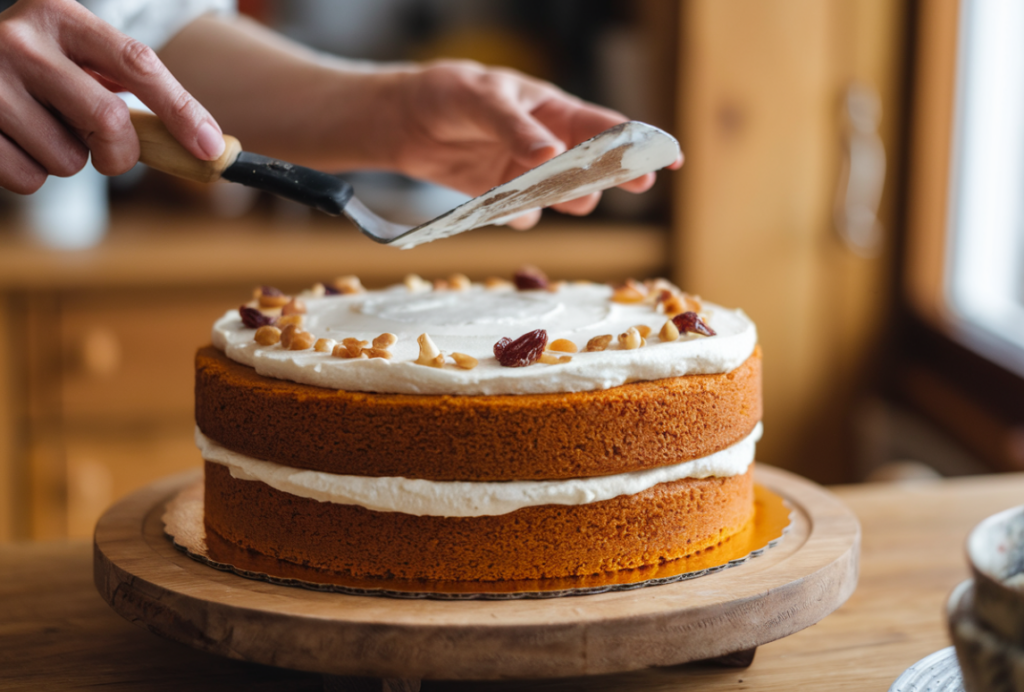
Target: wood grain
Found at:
x=787, y=589
x=762, y=87
x=177, y=249
x=931, y=147
x=57, y=633
x=160, y=150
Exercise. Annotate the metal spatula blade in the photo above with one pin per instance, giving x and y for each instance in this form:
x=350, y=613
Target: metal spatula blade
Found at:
x=613, y=157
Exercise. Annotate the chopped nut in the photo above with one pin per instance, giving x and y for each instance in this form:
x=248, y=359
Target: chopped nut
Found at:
x=301, y=341
x=644, y=330
x=270, y=297
x=294, y=307
x=551, y=359
x=523, y=351
x=563, y=345
x=288, y=334
x=669, y=332
x=318, y=290
x=528, y=278
x=630, y=293
x=630, y=339
x=429, y=355
x=493, y=282
x=672, y=306
x=385, y=340
x=440, y=285
x=253, y=318
x=348, y=284
x=659, y=284
x=598, y=343
x=324, y=345
x=343, y=351
x=691, y=322
x=376, y=353
x=267, y=335
x=556, y=286
x=289, y=319
x=459, y=282
x=416, y=284
x=465, y=362
x=351, y=342
x=693, y=303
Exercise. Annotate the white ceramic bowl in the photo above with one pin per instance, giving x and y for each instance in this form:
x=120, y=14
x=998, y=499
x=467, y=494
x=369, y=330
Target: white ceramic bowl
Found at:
x=988, y=662
x=995, y=550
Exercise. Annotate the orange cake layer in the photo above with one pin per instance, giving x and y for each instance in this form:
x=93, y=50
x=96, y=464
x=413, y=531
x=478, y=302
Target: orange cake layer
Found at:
x=632, y=427
x=668, y=521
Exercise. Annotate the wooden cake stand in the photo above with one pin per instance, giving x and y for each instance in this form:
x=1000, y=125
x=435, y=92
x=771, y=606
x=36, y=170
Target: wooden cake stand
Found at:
x=391, y=644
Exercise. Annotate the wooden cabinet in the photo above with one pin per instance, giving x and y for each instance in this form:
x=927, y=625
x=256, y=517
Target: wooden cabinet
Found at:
x=762, y=120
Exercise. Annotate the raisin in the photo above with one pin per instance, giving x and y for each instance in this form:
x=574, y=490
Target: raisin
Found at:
x=330, y=290
x=270, y=291
x=499, y=347
x=253, y=318
x=528, y=278
x=691, y=322
x=523, y=351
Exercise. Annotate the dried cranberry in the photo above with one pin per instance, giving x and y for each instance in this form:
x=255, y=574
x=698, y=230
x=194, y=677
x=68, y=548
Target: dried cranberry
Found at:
x=523, y=351
x=253, y=318
x=691, y=322
x=527, y=278
x=499, y=347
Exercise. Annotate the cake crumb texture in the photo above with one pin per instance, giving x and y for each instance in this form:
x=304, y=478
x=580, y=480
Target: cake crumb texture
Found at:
x=632, y=427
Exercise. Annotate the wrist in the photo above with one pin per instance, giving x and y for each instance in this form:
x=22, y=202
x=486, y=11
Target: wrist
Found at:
x=361, y=117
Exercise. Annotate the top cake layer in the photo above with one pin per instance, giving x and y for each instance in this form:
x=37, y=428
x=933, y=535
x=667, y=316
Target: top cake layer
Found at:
x=470, y=321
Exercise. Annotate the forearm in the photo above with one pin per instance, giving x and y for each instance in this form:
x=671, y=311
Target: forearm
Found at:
x=283, y=100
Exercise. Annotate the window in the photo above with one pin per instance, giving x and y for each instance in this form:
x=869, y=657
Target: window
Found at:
x=984, y=285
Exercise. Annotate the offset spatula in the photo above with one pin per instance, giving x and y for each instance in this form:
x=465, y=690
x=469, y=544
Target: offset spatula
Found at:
x=613, y=157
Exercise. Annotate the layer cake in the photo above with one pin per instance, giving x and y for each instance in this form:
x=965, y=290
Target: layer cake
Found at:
x=468, y=433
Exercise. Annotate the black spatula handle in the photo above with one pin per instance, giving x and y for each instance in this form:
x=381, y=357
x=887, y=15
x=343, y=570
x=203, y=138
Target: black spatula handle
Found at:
x=322, y=191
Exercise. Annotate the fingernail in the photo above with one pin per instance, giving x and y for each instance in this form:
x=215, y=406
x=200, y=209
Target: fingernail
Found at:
x=210, y=140
x=541, y=146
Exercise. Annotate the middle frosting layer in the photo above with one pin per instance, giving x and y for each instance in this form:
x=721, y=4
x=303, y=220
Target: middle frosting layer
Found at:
x=470, y=499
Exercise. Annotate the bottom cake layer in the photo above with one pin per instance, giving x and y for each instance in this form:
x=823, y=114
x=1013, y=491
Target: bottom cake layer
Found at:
x=666, y=522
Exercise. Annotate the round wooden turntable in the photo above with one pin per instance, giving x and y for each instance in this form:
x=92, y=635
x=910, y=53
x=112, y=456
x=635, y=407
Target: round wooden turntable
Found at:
x=809, y=574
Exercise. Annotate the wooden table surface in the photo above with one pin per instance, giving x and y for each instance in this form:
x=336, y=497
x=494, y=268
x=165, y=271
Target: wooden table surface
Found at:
x=56, y=632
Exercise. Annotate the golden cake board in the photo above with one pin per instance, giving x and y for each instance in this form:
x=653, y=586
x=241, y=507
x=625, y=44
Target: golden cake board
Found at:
x=795, y=584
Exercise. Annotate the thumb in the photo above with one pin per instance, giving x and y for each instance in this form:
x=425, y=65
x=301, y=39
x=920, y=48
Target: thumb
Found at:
x=529, y=142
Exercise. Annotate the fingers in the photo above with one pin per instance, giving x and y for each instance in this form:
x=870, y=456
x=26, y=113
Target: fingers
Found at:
x=581, y=206
x=526, y=221
x=98, y=117
x=133, y=65
x=576, y=121
x=495, y=101
x=641, y=184
x=18, y=172
x=38, y=134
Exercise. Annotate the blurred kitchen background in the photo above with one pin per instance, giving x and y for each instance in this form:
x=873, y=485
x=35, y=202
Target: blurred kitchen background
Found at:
x=853, y=181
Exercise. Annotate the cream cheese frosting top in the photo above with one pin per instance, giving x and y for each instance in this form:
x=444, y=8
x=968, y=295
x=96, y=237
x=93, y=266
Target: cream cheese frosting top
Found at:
x=470, y=499
x=471, y=321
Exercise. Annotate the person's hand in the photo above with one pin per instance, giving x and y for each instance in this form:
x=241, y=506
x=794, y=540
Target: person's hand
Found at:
x=471, y=127
x=59, y=67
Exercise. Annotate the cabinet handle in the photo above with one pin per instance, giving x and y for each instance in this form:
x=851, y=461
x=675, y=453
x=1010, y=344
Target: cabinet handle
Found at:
x=862, y=177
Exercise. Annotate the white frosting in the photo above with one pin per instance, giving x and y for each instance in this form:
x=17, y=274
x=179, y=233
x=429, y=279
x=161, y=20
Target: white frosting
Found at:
x=471, y=322
x=468, y=499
